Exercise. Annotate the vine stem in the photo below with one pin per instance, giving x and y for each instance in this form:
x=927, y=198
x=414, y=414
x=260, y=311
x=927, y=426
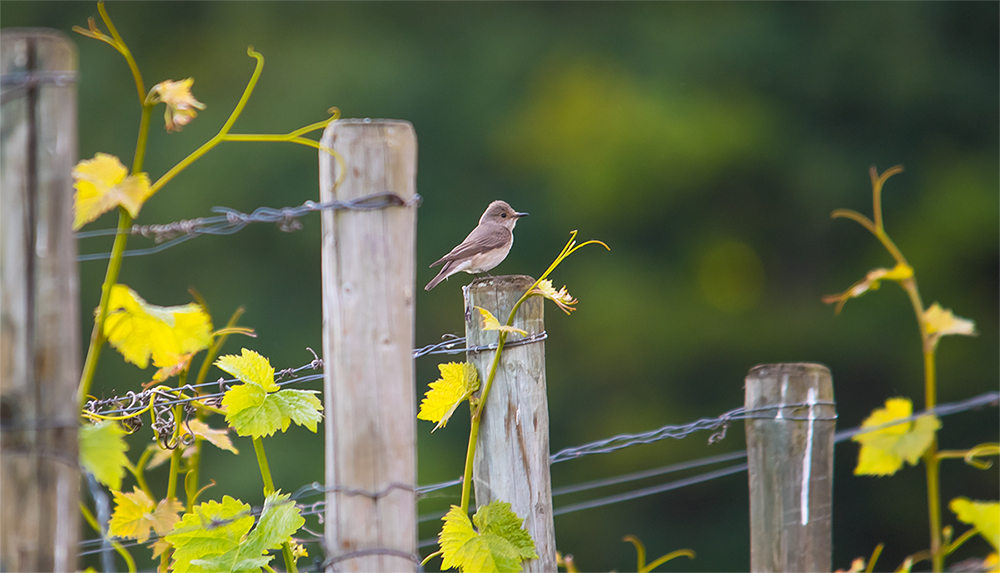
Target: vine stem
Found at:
x=477, y=410
x=97, y=338
x=265, y=469
x=175, y=461
x=265, y=473
x=930, y=458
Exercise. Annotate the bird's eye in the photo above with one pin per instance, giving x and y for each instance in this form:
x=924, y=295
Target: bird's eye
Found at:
x=503, y=214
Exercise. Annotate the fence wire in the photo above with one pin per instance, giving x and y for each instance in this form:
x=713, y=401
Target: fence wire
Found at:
x=230, y=221
x=608, y=445
x=132, y=402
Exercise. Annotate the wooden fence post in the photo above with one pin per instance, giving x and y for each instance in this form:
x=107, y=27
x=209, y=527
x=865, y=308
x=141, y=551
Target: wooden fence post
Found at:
x=512, y=456
x=39, y=304
x=790, y=458
x=368, y=334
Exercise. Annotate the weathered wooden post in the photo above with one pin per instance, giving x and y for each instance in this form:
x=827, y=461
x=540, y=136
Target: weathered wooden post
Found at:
x=790, y=432
x=39, y=312
x=512, y=457
x=368, y=333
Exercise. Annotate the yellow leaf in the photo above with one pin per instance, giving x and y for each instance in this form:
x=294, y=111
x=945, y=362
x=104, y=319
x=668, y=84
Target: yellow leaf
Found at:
x=138, y=329
x=171, y=370
x=159, y=547
x=983, y=515
x=458, y=381
x=871, y=282
x=218, y=438
x=299, y=550
x=883, y=451
x=561, y=297
x=941, y=322
x=103, y=183
x=992, y=563
x=160, y=455
x=134, y=515
x=490, y=322
x=181, y=105
x=857, y=566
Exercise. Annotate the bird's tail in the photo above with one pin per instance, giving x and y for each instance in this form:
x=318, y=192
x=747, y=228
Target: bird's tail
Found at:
x=440, y=277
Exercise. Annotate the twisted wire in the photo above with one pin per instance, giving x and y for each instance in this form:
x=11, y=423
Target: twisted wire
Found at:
x=231, y=221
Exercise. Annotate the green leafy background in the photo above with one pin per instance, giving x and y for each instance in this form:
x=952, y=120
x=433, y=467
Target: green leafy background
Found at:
x=706, y=143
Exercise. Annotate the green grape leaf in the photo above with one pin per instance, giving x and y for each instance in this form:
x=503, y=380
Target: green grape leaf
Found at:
x=210, y=530
x=278, y=521
x=250, y=368
x=983, y=515
x=458, y=381
x=217, y=537
x=230, y=562
x=102, y=452
x=301, y=406
x=501, y=544
x=258, y=407
x=884, y=451
x=252, y=412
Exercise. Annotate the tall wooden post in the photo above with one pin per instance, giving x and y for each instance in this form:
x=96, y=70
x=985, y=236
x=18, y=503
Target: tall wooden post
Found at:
x=512, y=456
x=39, y=304
x=368, y=324
x=790, y=457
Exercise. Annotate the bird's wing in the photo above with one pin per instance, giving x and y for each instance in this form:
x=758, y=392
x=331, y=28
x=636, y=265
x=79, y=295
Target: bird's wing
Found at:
x=479, y=240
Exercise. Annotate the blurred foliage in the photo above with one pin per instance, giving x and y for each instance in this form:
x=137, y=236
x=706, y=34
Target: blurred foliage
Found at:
x=706, y=143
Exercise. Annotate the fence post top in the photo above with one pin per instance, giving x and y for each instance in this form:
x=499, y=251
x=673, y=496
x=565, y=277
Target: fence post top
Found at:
x=763, y=370
x=502, y=282
x=354, y=121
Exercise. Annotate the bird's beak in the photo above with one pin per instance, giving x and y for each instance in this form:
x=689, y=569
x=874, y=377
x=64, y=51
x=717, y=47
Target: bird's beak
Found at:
x=519, y=215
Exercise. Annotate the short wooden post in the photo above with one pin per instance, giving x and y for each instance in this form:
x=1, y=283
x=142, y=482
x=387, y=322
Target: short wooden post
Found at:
x=512, y=455
x=39, y=304
x=368, y=335
x=792, y=418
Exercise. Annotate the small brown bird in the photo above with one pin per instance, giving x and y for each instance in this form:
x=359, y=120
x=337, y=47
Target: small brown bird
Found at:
x=485, y=247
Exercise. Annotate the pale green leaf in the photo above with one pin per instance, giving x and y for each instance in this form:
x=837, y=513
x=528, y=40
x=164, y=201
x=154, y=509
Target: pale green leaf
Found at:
x=250, y=368
x=253, y=412
x=249, y=412
x=500, y=544
x=301, y=406
x=211, y=529
x=217, y=537
x=102, y=452
x=279, y=520
x=229, y=562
